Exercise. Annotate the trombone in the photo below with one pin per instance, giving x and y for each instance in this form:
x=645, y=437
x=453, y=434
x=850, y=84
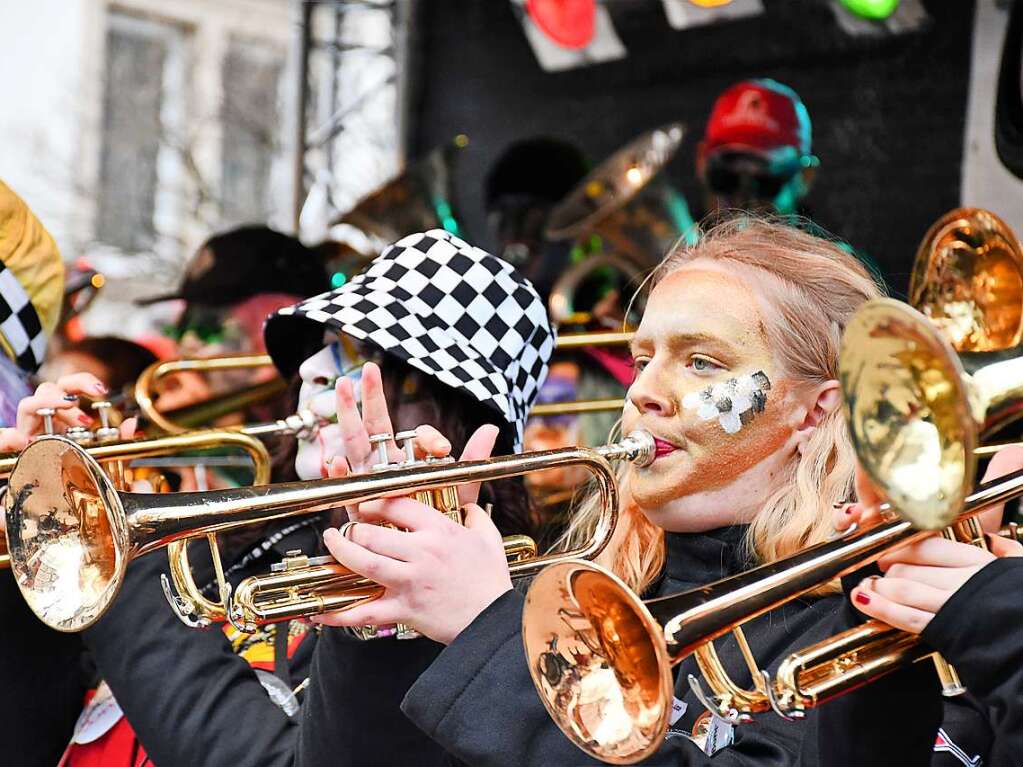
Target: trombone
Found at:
x=71, y=534
x=181, y=419
x=190, y=416
x=601, y=659
x=571, y=341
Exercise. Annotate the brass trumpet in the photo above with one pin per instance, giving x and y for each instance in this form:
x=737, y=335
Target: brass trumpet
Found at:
x=115, y=455
x=71, y=534
x=191, y=416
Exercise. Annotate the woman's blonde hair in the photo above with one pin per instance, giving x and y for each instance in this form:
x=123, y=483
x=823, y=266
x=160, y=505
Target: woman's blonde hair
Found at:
x=813, y=286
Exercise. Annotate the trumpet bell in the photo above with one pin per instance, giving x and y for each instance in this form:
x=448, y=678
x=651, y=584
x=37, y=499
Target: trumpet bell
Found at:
x=68, y=550
x=599, y=661
x=968, y=279
x=908, y=406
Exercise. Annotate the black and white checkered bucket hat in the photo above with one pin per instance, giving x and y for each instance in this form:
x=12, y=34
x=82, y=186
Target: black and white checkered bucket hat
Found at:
x=447, y=308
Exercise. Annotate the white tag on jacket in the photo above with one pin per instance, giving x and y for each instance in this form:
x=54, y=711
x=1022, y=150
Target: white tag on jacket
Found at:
x=279, y=692
x=720, y=734
x=678, y=708
x=97, y=718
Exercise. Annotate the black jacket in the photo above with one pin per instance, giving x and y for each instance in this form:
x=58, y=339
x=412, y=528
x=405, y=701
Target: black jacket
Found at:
x=902, y=720
x=978, y=630
x=190, y=699
x=42, y=681
x=477, y=702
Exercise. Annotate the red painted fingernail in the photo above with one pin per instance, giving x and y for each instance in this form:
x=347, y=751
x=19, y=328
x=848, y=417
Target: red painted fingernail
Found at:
x=100, y=388
x=84, y=419
x=862, y=598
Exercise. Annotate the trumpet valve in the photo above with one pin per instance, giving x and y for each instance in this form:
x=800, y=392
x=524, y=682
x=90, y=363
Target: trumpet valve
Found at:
x=379, y=441
x=47, y=413
x=407, y=440
x=106, y=432
x=79, y=435
x=293, y=560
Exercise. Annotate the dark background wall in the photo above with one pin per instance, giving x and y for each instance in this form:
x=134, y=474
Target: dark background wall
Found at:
x=888, y=114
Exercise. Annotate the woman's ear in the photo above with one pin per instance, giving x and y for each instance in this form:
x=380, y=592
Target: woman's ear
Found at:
x=820, y=402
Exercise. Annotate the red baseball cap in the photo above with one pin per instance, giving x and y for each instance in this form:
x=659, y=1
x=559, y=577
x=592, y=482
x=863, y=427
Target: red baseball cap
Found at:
x=762, y=115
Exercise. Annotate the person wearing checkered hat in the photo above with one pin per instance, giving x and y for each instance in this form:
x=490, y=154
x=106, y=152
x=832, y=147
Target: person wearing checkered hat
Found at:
x=440, y=313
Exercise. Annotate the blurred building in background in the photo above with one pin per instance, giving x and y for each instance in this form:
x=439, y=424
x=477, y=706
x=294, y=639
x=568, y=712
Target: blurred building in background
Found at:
x=136, y=129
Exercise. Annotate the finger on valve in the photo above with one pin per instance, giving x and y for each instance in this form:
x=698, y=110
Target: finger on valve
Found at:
x=376, y=417
x=378, y=568
x=62, y=407
x=430, y=442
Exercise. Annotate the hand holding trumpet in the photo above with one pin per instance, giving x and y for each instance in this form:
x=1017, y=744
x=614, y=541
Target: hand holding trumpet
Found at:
x=920, y=578
x=426, y=562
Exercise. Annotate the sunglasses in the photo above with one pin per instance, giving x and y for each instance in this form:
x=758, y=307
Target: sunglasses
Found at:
x=746, y=175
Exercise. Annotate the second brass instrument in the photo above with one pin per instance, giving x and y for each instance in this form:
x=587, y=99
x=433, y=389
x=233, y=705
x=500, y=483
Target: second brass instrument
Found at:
x=601, y=658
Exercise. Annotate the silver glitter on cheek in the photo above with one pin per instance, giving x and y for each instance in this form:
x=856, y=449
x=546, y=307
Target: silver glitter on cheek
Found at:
x=733, y=403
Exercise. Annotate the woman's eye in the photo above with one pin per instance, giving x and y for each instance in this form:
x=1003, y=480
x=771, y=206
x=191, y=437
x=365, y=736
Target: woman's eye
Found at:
x=638, y=364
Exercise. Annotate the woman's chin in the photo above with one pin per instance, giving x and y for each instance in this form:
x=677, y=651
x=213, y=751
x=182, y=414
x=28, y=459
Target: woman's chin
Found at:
x=651, y=491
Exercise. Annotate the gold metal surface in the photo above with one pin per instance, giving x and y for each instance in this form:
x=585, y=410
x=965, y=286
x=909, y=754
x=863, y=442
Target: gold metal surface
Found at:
x=968, y=279
x=116, y=459
x=202, y=413
x=71, y=534
x=305, y=586
x=917, y=410
x=601, y=658
x=615, y=183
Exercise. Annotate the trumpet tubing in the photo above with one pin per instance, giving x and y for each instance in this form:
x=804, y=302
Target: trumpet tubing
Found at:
x=848, y=660
x=302, y=586
x=71, y=534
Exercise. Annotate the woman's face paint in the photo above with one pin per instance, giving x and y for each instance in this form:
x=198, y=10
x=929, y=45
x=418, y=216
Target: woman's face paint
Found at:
x=319, y=375
x=732, y=403
x=709, y=388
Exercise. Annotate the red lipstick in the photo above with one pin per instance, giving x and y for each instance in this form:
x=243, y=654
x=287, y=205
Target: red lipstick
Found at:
x=663, y=447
